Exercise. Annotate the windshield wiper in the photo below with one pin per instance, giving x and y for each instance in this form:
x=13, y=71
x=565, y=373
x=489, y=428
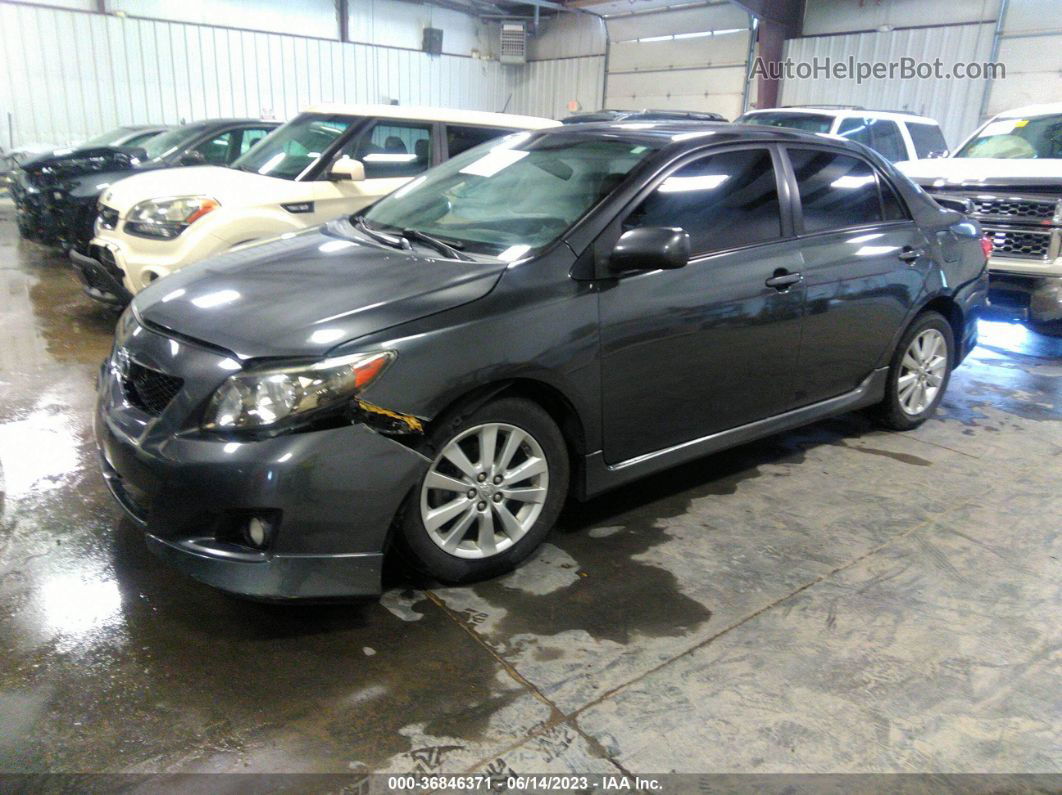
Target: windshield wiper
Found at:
x=441, y=246
x=379, y=237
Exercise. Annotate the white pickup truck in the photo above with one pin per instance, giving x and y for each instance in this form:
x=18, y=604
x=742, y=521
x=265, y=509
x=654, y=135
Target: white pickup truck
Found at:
x=1010, y=170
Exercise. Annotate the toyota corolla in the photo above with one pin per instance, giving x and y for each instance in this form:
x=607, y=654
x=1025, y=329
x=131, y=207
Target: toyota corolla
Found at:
x=555, y=313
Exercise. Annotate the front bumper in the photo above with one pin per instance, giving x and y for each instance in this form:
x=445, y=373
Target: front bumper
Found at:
x=333, y=494
x=1025, y=298
x=100, y=276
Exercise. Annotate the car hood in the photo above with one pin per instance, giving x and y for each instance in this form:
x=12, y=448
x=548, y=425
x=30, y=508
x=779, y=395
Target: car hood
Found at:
x=68, y=163
x=973, y=171
x=227, y=185
x=305, y=293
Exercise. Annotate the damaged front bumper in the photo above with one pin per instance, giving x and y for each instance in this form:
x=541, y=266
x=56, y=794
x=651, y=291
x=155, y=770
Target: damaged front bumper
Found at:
x=100, y=276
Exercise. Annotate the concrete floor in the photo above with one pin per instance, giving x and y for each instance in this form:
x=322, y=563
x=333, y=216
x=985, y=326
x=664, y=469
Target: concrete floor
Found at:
x=838, y=599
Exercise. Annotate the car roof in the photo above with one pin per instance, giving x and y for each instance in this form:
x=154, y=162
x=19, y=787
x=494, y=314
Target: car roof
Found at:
x=867, y=113
x=424, y=113
x=691, y=133
x=1044, y=109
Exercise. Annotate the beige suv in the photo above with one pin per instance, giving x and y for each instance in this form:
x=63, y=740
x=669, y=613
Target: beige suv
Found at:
x=324, y=163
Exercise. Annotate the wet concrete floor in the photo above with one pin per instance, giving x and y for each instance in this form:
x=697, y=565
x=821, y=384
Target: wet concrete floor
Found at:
x=836, y=599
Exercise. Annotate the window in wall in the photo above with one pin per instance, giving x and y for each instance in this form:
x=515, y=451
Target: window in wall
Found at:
x=836, y=191
x=393, y=149
x=459, y=137
x=723, y=201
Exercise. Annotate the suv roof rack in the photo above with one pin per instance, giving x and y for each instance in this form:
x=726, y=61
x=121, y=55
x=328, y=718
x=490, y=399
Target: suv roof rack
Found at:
x=825, y=107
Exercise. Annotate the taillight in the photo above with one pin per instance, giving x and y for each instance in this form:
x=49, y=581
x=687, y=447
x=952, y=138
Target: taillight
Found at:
x=986, y=246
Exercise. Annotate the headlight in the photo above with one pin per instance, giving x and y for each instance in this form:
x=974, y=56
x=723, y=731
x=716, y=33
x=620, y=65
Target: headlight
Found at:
x=164, y=219
x=265, y=398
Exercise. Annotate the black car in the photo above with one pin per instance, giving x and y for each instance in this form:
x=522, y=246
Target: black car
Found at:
x=30, y=176
x=561, y=311
x=56, y=197
x=641, y=115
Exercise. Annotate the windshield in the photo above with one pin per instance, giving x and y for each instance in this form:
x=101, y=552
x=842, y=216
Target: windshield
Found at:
x=107, y=138
x=808, y=122
x=169, y=142
x=1039, y=137
x=294, y=147
x=507, y=198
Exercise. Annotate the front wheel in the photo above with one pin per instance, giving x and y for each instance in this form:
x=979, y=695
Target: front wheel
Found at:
x=497, y=480
x=919, y=373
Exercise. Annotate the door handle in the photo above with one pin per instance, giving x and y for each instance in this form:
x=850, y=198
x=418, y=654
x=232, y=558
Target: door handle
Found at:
x=909, y=255
x=783, y=279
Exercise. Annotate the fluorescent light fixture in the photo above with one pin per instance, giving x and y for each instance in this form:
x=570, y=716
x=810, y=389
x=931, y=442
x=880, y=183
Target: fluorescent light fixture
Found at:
x=494, y=161
x=683, y=184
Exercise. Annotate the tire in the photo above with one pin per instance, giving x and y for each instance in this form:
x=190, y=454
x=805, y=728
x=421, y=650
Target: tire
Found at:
x=1049, y=329
x=902, y=409
x=476, y=510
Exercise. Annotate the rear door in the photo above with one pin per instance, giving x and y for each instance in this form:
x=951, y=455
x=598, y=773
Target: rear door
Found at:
x=864, y=265
x=712, y=345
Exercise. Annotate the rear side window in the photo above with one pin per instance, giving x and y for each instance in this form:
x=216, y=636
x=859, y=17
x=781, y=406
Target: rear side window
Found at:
x=927, y=139
x=723, y=201
x=881, y=135
x=836, y=191
x=394, y=149
x=460, y=138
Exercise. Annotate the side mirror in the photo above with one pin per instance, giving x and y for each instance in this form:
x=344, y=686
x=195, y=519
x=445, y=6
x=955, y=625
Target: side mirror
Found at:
x=650, y=248
x=347, y=168
x=956, y=203
x=940, y=153
x=192, y=158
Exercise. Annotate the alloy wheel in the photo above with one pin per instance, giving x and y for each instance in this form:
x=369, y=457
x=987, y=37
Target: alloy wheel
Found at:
x=484, y=490
x=922, y=371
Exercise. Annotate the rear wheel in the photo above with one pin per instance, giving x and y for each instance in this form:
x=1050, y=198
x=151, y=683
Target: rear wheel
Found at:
x=919, y=373
x=497, y=481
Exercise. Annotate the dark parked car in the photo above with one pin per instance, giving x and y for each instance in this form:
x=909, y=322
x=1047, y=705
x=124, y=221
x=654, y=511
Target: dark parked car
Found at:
x=37, y=172
x=565, y=310
x=56, y=201
x=641, y=115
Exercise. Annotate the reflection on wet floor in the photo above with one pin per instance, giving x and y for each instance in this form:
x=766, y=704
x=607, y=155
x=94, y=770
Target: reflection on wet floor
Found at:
x=110, y=661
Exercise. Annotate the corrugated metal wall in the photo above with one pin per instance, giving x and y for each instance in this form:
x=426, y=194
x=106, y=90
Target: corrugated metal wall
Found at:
x=702, y=73
x=953, y=103
x=66, y=75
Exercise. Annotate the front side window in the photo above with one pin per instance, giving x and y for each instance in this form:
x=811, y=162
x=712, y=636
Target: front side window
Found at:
x=251, y=136
x=295, y=147
x=460, y=138
x=216, y=151
x=808, y=122
x=836, y=191
x=513, y=196
x=927, y=139
x=1038, y=137
x=162, y=146
x=722, y=201
x=393, y=149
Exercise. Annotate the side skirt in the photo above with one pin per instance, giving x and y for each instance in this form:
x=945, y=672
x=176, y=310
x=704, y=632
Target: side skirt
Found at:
x=600, y=476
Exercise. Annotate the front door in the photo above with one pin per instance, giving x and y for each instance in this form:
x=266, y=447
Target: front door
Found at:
x=688, y=352
x=865, y=262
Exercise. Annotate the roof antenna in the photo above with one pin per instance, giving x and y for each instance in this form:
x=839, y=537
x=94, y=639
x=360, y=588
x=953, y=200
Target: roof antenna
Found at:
x=505, y=107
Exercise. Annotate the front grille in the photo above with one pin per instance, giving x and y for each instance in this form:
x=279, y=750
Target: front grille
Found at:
x=149, y=390
x=1015, y=207
x=1020, y=243
x=108, y=217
